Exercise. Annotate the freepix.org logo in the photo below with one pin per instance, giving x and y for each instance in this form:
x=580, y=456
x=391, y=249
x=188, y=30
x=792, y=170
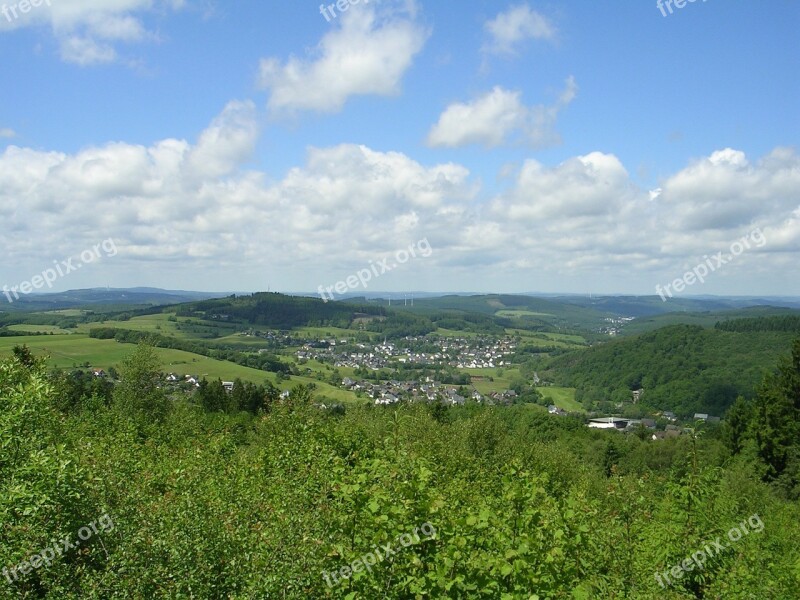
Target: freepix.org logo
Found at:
x=710, y=550
x=23, y=7
x=710, y=265
x=666, y=5
x=60, y=269
x=375, y=270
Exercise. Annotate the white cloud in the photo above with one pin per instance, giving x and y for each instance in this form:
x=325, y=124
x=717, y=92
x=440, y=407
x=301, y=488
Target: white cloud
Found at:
x=499, y=117
x=86, y=51
x=487, y=120
x=726, y=190
x=511, y=28
x=586, y=216
x=227, y=143
x=89, y=32
x=367, y=52
x=195, y=206
x=5, y=132
x=195, y=214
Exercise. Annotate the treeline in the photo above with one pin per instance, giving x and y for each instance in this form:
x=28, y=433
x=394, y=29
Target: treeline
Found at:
x=682, y=368
x=769, y=425
x=11, y=333
x=786, y=323
x=401, y=324
x=263, y=360
x=470, y=322
x=80, y=390
x=245, y=396
x=278, y=311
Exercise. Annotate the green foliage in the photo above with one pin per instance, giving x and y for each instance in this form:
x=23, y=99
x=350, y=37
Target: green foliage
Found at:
x=42, y=493
x=227, y=504
x=787, y=323
x=736, y=424
x=78, y=390
x=776, y=422
x=139, y=394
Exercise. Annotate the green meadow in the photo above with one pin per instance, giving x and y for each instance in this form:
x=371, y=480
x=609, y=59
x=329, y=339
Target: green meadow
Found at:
x=68, y=351
x=563, y=398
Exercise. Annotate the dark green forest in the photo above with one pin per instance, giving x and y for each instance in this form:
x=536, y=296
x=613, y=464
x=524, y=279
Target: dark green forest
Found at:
x=682, y=368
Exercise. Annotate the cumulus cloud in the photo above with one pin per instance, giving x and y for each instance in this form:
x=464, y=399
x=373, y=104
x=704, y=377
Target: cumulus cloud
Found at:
x=499, y=117
x=511, y=28
x=726, y=190
x=195, y=205
x=89, y=32
x=196, y=212
x=586, y=214
x=367, y=52
x=228, y=142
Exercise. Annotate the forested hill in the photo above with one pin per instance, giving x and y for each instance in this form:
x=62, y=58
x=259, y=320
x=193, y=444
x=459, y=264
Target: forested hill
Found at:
x=790, y=323
x=279, y=311
x=682, y=368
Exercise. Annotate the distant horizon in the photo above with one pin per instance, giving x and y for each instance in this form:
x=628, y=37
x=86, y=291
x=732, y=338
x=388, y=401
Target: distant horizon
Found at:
x=395, y=295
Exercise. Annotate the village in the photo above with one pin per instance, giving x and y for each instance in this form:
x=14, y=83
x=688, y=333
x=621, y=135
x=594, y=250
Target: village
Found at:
x=433, y=351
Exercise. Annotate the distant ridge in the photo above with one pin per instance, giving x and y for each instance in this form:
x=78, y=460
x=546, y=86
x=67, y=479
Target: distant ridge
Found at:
x=140, y=296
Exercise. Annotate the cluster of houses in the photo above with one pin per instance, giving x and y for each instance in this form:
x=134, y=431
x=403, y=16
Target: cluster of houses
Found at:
x=391, y=392
x=192, y=382
x=282, y=338
x=615, y=325
x=462, y=353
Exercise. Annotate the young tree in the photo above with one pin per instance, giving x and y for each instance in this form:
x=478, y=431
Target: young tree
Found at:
x=139, y=394
x=736, y=424
x=24, y=356
x=777, y=417
x=212, y=396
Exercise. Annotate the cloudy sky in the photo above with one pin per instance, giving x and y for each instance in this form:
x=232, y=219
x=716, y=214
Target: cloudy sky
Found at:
x=588, y=146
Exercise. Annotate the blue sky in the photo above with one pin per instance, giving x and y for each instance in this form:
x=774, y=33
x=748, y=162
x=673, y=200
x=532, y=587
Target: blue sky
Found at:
x=537, y=146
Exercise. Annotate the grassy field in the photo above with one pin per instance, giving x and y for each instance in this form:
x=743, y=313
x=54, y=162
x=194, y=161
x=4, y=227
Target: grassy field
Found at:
x=186, y=328
x=559, y=340
x=40, y=329
x=566, y=337
x=327, y=333
x=513, y=314
x=319, y=367
x=66, y=352
x=242, y=340
x=453, y=333
x=563, y=398
x=500, y=383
